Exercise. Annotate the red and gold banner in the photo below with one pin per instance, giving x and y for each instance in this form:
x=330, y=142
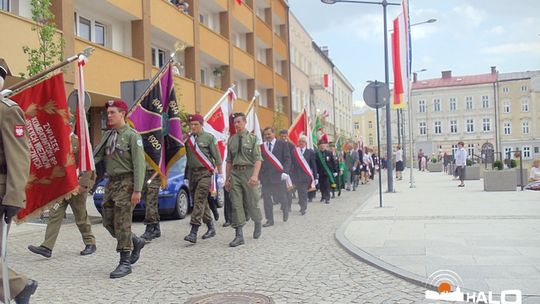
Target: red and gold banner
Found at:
x=53, y=172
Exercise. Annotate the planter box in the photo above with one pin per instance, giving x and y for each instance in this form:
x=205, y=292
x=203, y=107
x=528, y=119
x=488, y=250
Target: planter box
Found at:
x=434, y=167
x=525, y=174
x=503, y=180
x=472, y=172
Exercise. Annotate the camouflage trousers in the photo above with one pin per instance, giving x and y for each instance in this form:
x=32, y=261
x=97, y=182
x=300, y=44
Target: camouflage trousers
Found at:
x=244, y=198
x=117, y=210
x=199, y=186
x=56, y=215
x=150, y=194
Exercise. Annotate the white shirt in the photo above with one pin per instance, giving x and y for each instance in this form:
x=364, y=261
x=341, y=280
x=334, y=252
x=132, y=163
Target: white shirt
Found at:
x=273, y=142
x=535, y=173
x=461, y=157
x=399, y=155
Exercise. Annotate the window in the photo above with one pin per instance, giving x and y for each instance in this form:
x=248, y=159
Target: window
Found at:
x=423, y=128
x=203, y=76
x=158, y=57
x=453, y=104
x=453, y=126
x=100, y=34
x=486, y=124
x=438, y=127
x=370, y=124
x=525, y=105
x=436, y=105
x=84, y=28
x=506, y=106
x=421, y=106
x=485, y=101
x=524, y=88
x=507, y=126
x=536, y=150
x=454, y=149
x=468, y=103
x=527, y=152
x=470, y=149
x=470, y=125
x=356, y=126
x=370, y=140
x=507, y=152
x=525, y=127
x=506, y=90
x=4, y=5
x=91, y=30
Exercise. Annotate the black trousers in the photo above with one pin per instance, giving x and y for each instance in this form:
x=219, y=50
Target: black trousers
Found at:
x=324, y=186
x=302, y=189
x=277, y=192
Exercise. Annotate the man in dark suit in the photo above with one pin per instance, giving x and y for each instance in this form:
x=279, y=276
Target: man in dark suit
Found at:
x=327, y=169
x=274, y=172
x=284, y=135
x=351, y=162
x=301, y=178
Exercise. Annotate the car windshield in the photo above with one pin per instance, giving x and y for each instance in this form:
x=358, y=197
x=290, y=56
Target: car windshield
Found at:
x=179, y=166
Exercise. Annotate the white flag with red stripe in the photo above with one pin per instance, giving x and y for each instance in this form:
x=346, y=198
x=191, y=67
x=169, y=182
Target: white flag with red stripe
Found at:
x=252, y=124
x=86, y=155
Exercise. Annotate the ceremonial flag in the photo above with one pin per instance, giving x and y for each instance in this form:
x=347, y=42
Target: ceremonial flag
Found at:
x=400, y=40
x=86, y=156
x=157, y=118
x=299, y=127
x=316, y=129
x=252, y=123
x=327, y=80
x=53, y=172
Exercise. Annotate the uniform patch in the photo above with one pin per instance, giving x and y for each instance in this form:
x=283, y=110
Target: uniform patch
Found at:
x=139, y=142
x=19, y=130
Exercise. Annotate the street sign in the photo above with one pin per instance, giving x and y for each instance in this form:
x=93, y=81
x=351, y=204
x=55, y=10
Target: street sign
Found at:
x=376, y=94
x=73, y=99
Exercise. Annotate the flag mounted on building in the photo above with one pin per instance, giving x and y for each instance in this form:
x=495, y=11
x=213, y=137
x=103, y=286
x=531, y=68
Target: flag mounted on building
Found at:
x=400, y=40
x=157, y=118
x=53, y=170
x=327, y=81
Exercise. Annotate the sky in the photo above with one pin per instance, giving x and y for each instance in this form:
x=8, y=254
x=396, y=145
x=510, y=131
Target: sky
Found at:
x=468, y=37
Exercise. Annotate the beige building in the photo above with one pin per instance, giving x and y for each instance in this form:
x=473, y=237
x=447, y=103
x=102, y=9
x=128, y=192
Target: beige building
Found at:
x=519, y=113
x=343, y=106
x=301, y=64
x=365, y=126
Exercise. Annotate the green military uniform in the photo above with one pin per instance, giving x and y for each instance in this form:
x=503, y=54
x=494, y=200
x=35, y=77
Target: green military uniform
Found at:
x=77, y=204
x=200, y=178
x=125, y=167
x=243, y=152
x=150, y=195
x=15, y=152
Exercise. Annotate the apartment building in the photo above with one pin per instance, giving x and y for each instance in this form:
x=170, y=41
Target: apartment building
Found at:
x=365, y=126
x=226, y=43
x=301, y=65
x=343, y=106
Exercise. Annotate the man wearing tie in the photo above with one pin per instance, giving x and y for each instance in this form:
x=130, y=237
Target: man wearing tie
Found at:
x=327, y=169
x=304, y=172
x=274, y=172
x=351, y=162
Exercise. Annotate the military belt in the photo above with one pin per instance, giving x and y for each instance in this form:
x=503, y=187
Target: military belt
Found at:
x=241, y=167
x=121, y=176
x=197, y=169
x=3, y=169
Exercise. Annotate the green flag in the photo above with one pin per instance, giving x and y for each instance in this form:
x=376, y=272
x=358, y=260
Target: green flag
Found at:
x=314, y=134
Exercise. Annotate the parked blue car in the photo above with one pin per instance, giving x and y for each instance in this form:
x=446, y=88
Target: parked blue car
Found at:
x=173, y=201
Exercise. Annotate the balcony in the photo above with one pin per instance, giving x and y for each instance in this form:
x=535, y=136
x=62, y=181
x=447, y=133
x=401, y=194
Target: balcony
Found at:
x=282, y=86
x=209, y=96
x=280, y=46
x=102, y=75
x=185, y=93
x=264, y=75
x=133, y=7
x=243, y=62
x=244, y=15
x=214, y=44
x=279, y=9
x=263, y=32
x=170, y=20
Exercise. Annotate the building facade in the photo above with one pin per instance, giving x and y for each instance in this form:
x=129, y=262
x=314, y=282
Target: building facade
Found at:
x=343, y=106
x=365, y=126
x=301, y=66
x=224, y=43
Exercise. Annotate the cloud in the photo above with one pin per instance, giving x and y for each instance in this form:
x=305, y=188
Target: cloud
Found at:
x=513, y=48
x=473, y=15
x=497, y=30
x=367, y=27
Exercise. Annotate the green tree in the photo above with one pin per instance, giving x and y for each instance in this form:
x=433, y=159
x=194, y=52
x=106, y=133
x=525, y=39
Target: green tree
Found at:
x=277, y=118
x=51, y=43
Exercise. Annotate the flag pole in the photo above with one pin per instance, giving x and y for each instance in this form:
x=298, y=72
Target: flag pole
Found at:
x=217, y=104
x=22, y=85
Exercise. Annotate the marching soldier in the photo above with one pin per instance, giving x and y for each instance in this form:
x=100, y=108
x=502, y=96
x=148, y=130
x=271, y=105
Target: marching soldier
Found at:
x=203, y=160
x=274, y=171
x=243, y=165
x=304, y=172
x=150, y=194
x=327, y=169
x=122, y=150
x=78, y=206
x=15, y=152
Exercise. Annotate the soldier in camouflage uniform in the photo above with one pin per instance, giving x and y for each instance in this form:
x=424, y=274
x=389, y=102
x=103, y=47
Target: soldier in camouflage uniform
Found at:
x=202, y=160
x=243, y=165
x=78, y=206
x=122, y=150
x=150, y=195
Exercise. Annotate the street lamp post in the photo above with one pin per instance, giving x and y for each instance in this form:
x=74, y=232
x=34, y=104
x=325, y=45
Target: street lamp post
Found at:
x=389, y=166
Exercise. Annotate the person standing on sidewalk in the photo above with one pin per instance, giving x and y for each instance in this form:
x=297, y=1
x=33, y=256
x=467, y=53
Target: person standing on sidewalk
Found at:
x=461, y=162
x=351, y=162
x=203, y=159
x=78, y=206
x=243, y=164
x=14, y=171
x=399, y=162
x=150, y=194
x=420, y=156
x=122, y=150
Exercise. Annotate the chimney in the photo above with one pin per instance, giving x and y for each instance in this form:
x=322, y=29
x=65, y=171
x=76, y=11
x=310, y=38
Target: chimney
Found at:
x=325, y=50
x=446, y=74
x=493, y=70
x=415, y=77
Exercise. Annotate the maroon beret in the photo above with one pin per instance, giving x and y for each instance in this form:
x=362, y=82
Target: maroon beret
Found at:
x=196, y=117
x=323, y=141
x=117, y=103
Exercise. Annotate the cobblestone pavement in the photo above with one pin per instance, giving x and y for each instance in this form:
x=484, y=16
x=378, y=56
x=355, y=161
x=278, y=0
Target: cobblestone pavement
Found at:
x=294, y=262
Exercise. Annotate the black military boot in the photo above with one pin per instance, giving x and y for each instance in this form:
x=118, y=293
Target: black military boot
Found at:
x=148, y=234
x=257, y=231
x=211, y=231
x=157, y=230
x=238, y=239
x=124, y=266
x=29, y=289
x=44, y=251
x=138, y=244
x=192, y=236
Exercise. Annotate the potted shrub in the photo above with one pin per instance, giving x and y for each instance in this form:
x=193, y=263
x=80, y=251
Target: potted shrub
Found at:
x=434, y=166
x=499, y=179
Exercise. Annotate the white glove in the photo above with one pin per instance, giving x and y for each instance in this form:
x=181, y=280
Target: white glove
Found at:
x=316, y=182
x=220, y=181
x=186, y=182
x=354, y=168
x=335, y=174
x=284, y=176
